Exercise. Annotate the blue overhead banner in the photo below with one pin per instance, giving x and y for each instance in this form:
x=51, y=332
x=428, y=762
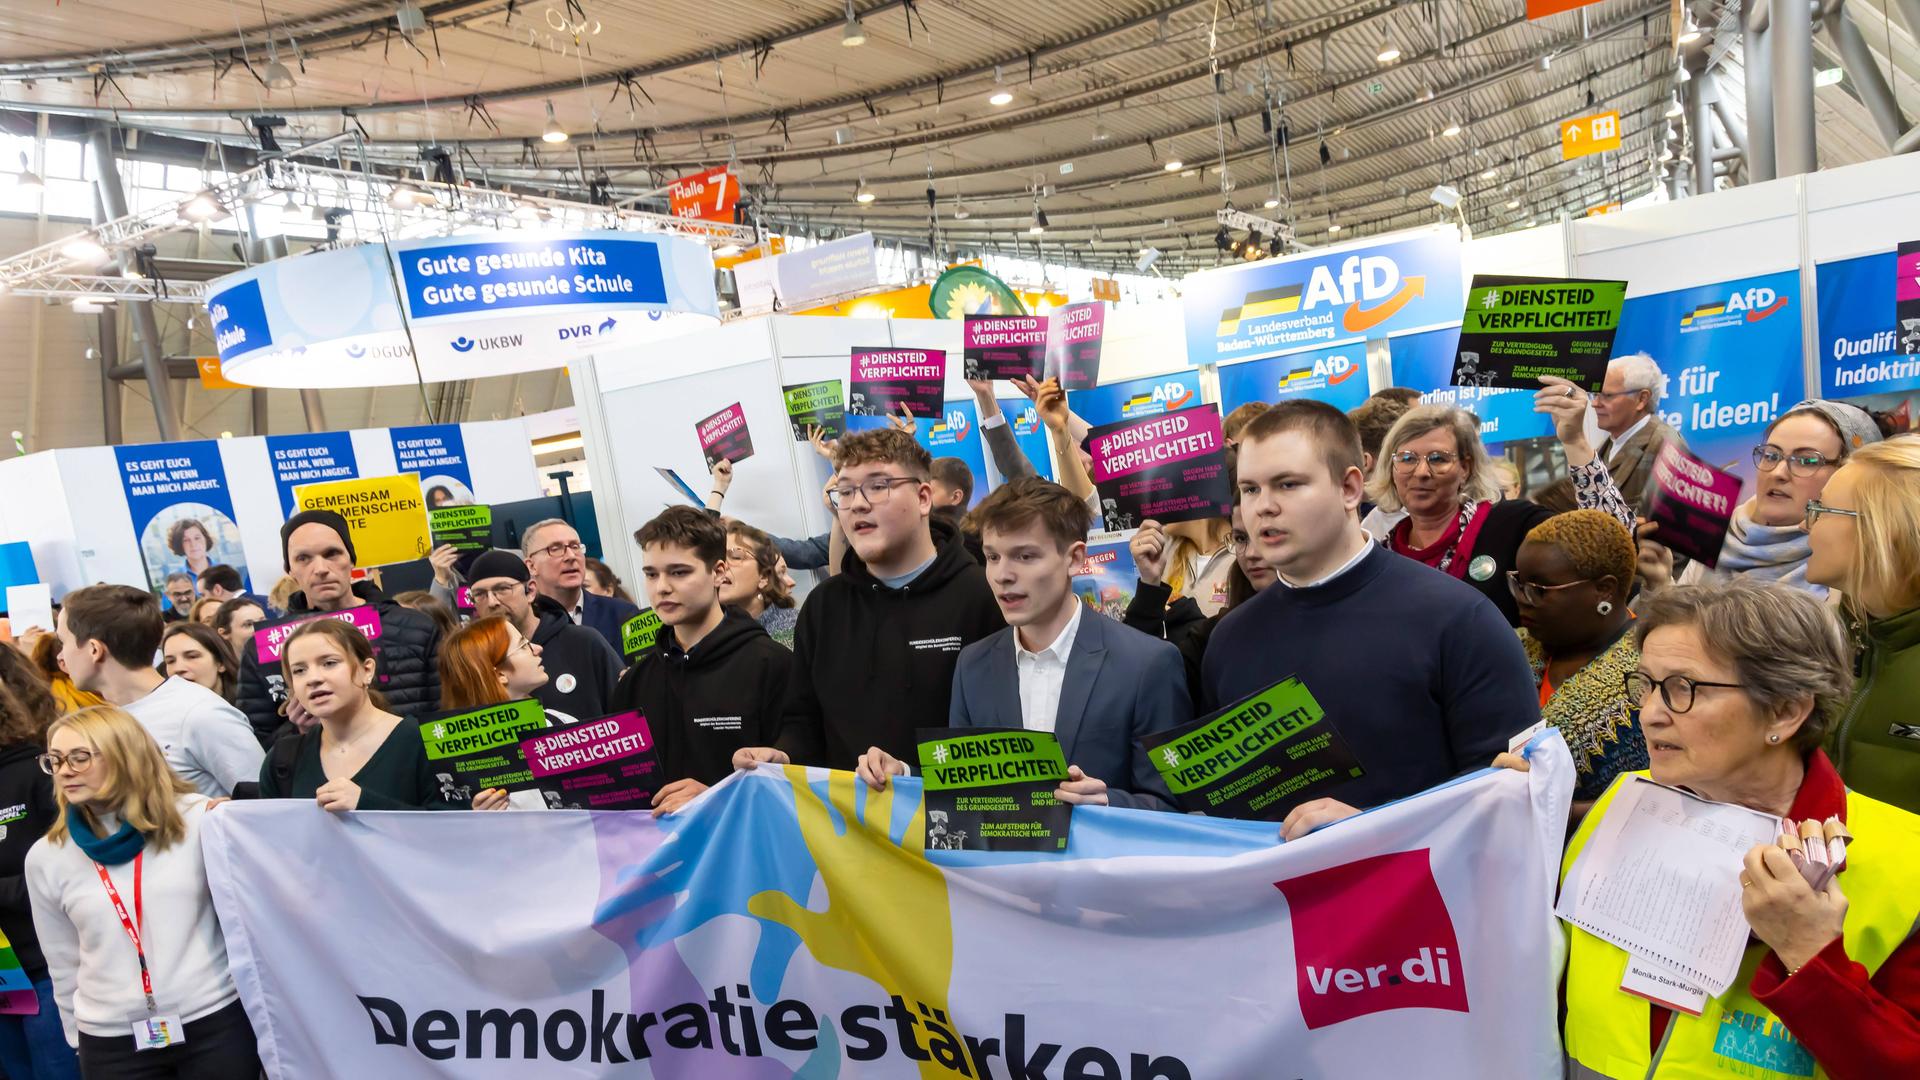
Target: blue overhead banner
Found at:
x=1862, y=351
x=1731, y=352
x=239, y=321
x=309, y=459
x=1316, y=299
x=1424, y=362
x=439, y=454
x=531, y=271
x=1337, y=376
x=1136, y=399
x=1029, y=433
x=182, y=512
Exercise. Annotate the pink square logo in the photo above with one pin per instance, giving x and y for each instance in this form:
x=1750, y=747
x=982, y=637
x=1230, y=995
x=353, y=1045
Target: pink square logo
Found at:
x=1373, y=935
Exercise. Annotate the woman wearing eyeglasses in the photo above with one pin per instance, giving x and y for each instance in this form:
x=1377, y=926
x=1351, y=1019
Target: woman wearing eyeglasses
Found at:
x=1570, y=581
x=1799, y=454
x=1737, y=685
x=1433, y=466
x=490, y=662
x=1864, y=531
x=356, y=755
x=121, y=904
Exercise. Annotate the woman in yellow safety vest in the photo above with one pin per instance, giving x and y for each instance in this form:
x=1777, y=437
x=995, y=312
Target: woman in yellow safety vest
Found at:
x=1737, y=685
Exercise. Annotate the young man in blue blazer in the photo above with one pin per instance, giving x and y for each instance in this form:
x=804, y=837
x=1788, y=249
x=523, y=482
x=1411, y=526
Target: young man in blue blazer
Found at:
x=1095, y=684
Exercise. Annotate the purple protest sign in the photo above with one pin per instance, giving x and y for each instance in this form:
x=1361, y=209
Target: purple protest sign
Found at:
x=1166, y=468
x=1004, y=346
x=1906, y=286
x=1074, y=334
x=604, y=764
x=725, y=435
x=270, y=638
x=886, y=380
x=1692, y=503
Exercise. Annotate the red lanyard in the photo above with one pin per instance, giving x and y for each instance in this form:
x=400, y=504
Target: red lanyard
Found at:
x=132, y=926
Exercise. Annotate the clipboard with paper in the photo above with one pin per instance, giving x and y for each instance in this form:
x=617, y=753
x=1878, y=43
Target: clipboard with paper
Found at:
x=1660, y=878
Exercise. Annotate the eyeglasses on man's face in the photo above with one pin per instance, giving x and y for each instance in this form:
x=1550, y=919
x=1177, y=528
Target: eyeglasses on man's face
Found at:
x=498, y=593
x=561, y=547
x=875, y=490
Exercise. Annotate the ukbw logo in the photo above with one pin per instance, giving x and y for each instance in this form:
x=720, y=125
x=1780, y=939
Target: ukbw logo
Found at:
x=462, y=344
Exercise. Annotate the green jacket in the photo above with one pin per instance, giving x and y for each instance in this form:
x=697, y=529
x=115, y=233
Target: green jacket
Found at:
x=1876, y=745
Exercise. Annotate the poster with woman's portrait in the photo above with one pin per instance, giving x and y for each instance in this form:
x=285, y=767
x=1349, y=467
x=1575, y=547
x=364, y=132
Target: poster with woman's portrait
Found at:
x=182, y=512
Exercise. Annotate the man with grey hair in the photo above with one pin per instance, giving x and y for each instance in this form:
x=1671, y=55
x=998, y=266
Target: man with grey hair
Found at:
x=558, y=563
x=1627, y=409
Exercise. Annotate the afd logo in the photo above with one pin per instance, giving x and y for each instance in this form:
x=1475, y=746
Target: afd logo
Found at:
x=1165, y=397
x=1757, y=303
x=1026, y=421
x=953, y=426
x=465, y=344
x=1336, y=369
x=1370, y=286
x=1371, y=936
x=586, y=330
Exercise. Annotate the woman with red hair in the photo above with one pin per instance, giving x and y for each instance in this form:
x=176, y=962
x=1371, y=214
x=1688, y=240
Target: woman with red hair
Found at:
x=490, y=662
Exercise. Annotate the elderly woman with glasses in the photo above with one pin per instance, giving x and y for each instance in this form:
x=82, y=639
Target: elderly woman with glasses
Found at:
x=1864, y=530
x=1434, y=467
x=1799, y=454
x=1737, y=685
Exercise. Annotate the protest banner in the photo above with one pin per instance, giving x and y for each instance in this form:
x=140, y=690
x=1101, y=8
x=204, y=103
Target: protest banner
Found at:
x=1107, y=579
x=638, y=633
x=885, y=381
x=1165, y=468
x=816, y=404
x=1074, y=335
x=1414, y=940
x=270, y=638
x=1517, y=329
x=993, y=790
x=309, y=458
x=1258, y=758
x=386, y=514
x=467, y=528
x=471, y=750
x=1906, y=292
x=724, y=436
x=605, y=764
x=1004, y=346
x=1693, y=504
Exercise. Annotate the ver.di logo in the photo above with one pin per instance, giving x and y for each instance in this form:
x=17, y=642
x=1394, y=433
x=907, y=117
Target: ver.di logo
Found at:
x=462, y=344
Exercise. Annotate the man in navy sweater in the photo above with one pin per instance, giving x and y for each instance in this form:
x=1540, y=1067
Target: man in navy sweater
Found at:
x=1418, y=671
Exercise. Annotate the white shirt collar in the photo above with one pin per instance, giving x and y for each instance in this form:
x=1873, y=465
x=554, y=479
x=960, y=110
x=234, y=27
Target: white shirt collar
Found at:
x=1621, y=439
x=1365, y=548
x=1062, y=646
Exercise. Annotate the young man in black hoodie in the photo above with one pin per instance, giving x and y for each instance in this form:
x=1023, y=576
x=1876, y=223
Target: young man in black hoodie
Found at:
x=714, y=681
x=581, y=667
x=317, y=547
x=876, y=645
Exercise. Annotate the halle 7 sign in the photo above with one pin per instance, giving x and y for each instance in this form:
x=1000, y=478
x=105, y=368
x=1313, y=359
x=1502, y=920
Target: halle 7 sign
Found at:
x=710, y=195
x=1585, y=135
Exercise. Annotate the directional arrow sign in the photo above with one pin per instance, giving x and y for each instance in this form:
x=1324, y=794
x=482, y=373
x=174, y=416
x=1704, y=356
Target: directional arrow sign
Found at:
x=1585, y=135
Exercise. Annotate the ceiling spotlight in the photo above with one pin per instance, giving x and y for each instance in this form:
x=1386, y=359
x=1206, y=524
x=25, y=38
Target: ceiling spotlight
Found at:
x=1100, y=132
x=131, y=271
x=1513, y=204
x=863, y=194
x=1452, y=130
x=84, y=249
x=28, y=181
x=1270, y=204
x=1827, y=76
x=1001, y=95
x=1672, y=133
x=1489, y=173
x=1174, y=166
x=202, y=207
x=1389, y=52
x=1333, y=226
x=1326, y=155
x=85, y=306
x=854, y=34
x=960, y=212
x=1275, y=247
x=554, y=133
x=1039, y=224
x=1689, y=31
x=1222, y=241
x=725, y=250
x=278, y=77
x=410, y=20
x=1666, y=153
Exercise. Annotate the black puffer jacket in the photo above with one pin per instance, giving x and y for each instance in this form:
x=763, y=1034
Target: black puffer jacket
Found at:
x=406, y=656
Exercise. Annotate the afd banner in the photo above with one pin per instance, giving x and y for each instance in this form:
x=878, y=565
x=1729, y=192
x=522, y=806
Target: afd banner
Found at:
x=438, y=452
x=1029, y=434
x=1337, y=376
x=182, y=511
x=1323, y=298
x=309, y=459
x=955, y=432
x=1731, y=352
x=791, y=924
x=1136, y=399
x=1864, y=348
x=1424, y=362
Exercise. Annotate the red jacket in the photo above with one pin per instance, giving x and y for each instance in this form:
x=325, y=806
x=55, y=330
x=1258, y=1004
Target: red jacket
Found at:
x=1857, y=1028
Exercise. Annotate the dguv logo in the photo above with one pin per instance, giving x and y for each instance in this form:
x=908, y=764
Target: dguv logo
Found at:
x=1373, y=935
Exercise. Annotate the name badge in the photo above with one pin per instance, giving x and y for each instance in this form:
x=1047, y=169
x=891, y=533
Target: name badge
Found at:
x=158, y=1033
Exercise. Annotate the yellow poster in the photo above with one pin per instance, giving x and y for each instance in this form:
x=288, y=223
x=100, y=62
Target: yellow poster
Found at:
x=387, y=515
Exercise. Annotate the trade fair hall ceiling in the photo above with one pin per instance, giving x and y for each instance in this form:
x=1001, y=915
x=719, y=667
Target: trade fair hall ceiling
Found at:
x=1129, y=123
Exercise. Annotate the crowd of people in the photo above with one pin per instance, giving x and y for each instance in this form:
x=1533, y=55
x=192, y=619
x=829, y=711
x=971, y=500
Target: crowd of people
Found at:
x=1382, y=558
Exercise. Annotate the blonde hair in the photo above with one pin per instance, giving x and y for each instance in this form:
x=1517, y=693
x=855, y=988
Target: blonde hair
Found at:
x=142, y=790
x=1882, y=578
x=1480, y=485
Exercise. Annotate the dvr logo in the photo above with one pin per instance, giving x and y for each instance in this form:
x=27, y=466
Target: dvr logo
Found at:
x=1373, y=935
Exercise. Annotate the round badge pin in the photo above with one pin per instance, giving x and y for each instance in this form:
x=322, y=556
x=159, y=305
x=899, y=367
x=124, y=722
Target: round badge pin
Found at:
x=566, y=682
x=1481, y=568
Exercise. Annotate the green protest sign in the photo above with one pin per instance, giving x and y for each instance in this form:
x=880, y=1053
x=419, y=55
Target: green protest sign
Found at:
x=467, y=528
x=1516, y=329
x=1257, y=758
x=475, y=749
x=638, y=634
x=816, y=404
x=992, y=790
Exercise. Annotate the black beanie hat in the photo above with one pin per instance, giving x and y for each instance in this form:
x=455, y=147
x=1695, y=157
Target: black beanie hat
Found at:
x=328, y=518
x=498, y=563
